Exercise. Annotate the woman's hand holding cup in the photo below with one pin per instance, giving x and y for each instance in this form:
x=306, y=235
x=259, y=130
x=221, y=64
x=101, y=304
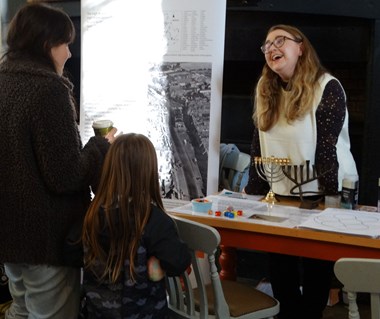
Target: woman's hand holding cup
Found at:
x=105, y=128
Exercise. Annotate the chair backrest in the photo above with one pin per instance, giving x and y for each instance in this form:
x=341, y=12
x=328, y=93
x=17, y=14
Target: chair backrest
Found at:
x=200, y=239
x=234, y=167
x=360, y=275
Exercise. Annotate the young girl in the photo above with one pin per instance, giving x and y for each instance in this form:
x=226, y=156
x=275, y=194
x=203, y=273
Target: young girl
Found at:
x=126, y=228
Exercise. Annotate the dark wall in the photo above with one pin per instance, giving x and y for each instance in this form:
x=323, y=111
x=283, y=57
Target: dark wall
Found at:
x=72, y=66
x=347, y=39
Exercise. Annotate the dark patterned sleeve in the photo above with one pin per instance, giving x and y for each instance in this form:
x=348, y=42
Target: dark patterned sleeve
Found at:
x=164, y=243
x=330, y=117
x=255, y=185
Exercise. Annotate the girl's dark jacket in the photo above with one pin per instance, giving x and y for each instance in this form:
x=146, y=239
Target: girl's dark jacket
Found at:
x=45, y=172
x=143, y=298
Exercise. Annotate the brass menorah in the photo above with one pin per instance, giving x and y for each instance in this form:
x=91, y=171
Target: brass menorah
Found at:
x=273, y=169
x=270, y=169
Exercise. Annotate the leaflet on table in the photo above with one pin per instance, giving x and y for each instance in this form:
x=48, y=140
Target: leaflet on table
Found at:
x=238, y=195
x=345, y=221
x=220, y=202
x=247, y=205
x=171, y=204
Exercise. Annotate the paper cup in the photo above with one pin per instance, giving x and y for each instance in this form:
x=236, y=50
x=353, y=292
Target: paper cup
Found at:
x=102, y=127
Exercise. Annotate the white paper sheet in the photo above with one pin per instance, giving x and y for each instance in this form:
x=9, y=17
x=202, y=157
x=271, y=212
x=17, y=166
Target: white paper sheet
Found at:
x=345, y=221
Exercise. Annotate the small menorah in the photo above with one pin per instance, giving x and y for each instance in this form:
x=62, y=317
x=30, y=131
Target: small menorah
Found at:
x=270, y=169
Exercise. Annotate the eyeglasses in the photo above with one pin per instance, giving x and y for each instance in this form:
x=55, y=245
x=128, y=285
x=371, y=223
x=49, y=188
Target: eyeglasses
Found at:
x=278, y=42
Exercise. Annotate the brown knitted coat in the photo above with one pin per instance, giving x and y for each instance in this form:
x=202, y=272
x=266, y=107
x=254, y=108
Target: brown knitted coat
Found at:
x=45, y=172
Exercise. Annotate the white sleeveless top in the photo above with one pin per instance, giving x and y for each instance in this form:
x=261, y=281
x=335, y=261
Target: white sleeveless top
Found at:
x=297, y=141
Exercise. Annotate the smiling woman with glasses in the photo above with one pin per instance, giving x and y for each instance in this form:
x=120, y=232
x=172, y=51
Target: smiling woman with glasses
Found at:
x=278, y=42
x=300, y=113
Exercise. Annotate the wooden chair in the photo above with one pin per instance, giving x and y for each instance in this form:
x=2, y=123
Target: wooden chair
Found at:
x=360, y=275
x=232, y=168
x=211, y=297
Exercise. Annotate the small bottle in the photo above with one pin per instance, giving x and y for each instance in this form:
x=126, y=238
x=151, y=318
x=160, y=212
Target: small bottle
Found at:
x=378, y=196
x=350, y=192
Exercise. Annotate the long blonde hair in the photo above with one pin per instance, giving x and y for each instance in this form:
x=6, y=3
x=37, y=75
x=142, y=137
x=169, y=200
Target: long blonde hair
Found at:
x=129, y=185
x=301, y=86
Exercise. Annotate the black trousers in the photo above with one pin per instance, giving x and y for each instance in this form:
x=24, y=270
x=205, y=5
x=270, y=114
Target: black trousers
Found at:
x=289, y=273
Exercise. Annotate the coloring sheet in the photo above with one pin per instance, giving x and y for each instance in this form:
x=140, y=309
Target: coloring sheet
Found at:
x=345, y=221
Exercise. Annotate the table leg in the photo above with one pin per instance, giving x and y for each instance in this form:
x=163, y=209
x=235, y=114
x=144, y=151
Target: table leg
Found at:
x=228, y=262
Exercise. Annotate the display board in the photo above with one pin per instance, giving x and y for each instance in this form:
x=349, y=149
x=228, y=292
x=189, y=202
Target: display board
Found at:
x=156, y=68
x=1, y=26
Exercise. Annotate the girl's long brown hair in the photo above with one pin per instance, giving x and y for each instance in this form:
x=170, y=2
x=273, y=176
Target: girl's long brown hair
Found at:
x=129, y=185
x=301, y=86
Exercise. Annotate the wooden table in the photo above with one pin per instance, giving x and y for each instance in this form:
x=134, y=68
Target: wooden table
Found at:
x=291, y=241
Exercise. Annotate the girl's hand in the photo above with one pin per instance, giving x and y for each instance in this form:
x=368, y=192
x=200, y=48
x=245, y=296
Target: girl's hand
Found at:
x=155, y=272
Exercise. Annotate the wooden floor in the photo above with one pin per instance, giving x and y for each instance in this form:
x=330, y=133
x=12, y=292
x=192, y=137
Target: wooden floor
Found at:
x=340, y=310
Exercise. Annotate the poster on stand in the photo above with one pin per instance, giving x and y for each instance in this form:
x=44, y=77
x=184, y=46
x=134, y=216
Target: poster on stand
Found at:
x=156, y=68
